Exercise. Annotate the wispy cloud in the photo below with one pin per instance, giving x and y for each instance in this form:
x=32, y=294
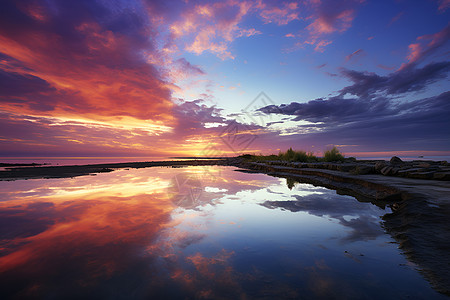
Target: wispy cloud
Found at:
x=443, y=5
x=426, y=46
x=353, y=54
x=395, y=18
x=329, y=17
x=280, y=14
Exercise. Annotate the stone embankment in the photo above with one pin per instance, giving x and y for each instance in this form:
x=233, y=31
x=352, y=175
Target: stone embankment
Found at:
x=417, y=169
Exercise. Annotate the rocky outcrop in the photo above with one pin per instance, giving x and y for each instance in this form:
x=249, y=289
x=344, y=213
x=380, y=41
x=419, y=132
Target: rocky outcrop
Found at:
x=436, y=170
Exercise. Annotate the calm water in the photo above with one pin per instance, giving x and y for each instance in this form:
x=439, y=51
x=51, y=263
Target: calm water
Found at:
x=195, y=233
x=68, y=161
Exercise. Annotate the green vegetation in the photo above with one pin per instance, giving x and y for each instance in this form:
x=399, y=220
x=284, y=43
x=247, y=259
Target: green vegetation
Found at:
x=333, y=155
x=298, y=156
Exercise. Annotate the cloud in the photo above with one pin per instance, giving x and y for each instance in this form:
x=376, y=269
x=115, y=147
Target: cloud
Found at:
x=355, y=53
x=334, y=110
x=443, y=5
x=248, y=32
x=329, y=17
x=375, y=97
x=18, y=85
x=83, y=58
x=367, y=84
x=426, y=46
x=395, y=18
x=24, y=135
x=278, y=13
x=181, y=69
x=212, y=27
x=192, y=115
x=380, y=125
x=374, y=112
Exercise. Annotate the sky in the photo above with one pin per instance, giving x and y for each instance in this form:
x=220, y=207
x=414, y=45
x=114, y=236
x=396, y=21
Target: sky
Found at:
x=97, y=78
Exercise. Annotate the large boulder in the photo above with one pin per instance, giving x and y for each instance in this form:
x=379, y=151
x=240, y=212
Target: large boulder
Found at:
x=395, y=160
x=362, y=170
x=387, y=170
x=380, y=165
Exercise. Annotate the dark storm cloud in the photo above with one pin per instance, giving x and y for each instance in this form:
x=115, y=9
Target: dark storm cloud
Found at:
x=408, y=79
x=333, y=110
x=14, y=84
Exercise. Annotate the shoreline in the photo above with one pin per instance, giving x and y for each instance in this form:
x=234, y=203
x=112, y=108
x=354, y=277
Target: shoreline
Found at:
x=420, y=206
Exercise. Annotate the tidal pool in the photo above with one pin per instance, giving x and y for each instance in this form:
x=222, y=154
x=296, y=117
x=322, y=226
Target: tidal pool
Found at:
x=195, y=233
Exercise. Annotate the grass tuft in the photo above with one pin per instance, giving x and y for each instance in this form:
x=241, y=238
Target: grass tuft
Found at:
x=298, y=156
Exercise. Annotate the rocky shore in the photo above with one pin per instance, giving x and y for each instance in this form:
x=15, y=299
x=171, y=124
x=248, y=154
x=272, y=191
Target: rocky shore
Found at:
x=418, y=169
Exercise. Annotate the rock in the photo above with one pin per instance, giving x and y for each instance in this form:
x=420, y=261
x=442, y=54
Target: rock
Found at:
x=361, y=170
x=421, y=175
x=386, y=170
x=442, y=176
x=380, y=165
x=405, y=172
x=394, y=171
x=424, y=165
x=396, y=160
x=345, y=168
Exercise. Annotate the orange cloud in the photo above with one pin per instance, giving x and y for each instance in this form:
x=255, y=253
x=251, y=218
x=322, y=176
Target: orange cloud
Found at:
x=90, y=70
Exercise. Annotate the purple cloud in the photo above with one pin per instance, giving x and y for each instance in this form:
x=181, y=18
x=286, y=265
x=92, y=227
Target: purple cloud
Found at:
x=409, y=79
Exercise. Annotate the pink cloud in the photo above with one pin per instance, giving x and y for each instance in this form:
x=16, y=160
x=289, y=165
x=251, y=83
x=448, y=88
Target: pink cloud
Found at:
x=329, y=24
x=212, y=27
x=249, y=32
x=355, y=53
x=329, y=17
x=320, y=46
x=396, y=18
x=443, y=5
x=387, y=68
x=426, y=46
x=280, y=14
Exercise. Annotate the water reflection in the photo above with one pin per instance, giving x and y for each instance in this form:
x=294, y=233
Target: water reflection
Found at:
x=197, y=232
x=362, y=219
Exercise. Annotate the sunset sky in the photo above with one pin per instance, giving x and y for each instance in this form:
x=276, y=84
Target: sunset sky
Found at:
x=212, y=78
